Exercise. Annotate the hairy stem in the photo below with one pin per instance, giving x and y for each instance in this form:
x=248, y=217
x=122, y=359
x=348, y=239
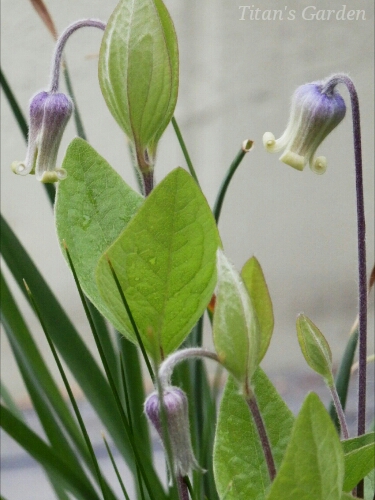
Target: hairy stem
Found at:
x=361, y=232
x=340, y=411
x=253, y=406
x=60, y=45
x=183, y=491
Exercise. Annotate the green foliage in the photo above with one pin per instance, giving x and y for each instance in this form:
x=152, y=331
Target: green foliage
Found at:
x=359, y=459
x=313, y=465
x=165, y=262
x=315, y=348
x=256, y=286
x=93, y=206
x=138, y=72
x=236, y=329
x=239, y=465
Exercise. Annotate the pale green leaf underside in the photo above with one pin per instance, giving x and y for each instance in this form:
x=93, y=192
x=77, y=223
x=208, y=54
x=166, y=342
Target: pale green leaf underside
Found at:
x=93, y=206
x=239, y=466
x=138, y=69
x=166, y=264
x=235, y=326
x=256, y=286
x=313, y=466
x=315, y=347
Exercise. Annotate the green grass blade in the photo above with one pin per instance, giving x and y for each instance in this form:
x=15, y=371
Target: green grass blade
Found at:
x=184, y=149
x=71, y=347
x=228, y=177
x=343, y=376
x=106, y=491
x=9, y=402
x=123, y=489
x=46, y=456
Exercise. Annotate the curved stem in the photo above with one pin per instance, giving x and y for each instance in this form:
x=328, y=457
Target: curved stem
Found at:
x=60, y=45
x=167, y=367
x=361, y=232
x=340, y=411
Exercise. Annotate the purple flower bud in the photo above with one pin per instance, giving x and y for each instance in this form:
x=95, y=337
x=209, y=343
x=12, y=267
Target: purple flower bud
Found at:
x=314, y=114
x=49, y=114
x=176, y=409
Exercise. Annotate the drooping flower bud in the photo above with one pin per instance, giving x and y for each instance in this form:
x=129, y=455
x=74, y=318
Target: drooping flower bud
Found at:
x=176, y=410
x=314, y=114
x=49, y=114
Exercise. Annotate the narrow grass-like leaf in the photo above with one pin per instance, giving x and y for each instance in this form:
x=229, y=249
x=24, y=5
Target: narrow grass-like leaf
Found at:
x=228, y=177
x=165, y=263
x=46, y=456
x=123, y=489
x=136, y=448
x=184, y=150
x=256, y=286
x=313, y=465
x=9, y=401
x=71, y=347
x=106, y=491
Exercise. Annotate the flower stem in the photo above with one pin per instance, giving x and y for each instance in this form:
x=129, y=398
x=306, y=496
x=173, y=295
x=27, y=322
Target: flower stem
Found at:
x=184, y=149
x=339, y=410
x=61, y=44
x=361, y=232
x=183, y=491
x=253, y=406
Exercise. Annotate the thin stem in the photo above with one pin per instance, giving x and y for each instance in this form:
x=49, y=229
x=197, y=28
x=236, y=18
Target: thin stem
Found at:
x=246, y=147
x=189, y=487
x=339, y=410
x=184, y=149
x=167, y=367
x=361, y=234
x=148, y=182
x=183, y=491
x=61, y=44
x=253, y=406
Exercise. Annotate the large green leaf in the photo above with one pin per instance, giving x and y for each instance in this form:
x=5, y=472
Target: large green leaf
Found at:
x=313, y=466
x=236, y=328
x=359, y=459
x=138, y=71
x=165, y=261
x=93, y=206
x=256, y=286
x=239, y=465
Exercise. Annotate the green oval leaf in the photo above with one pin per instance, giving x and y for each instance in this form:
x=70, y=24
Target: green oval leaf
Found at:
x=313, y=466
x=256, y=286
x=315, y=348
x=359, y=459
x=93, y=205
x=239, y=466
x=138, y=71
x=165, y=262
x=235, y=326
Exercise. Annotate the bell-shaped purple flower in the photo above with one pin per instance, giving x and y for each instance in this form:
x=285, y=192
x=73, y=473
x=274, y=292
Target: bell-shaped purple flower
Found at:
x=49, y=114
x=314, y=114
x=177, y=416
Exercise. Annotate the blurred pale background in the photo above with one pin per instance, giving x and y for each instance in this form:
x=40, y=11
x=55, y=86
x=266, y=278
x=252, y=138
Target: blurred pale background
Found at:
x=236, y=80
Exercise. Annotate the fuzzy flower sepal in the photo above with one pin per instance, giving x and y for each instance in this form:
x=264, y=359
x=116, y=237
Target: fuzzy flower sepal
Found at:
x=314, y=114
x=177, y=416
x=49, y=114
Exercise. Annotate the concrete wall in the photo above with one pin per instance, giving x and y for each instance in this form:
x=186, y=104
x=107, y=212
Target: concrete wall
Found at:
x=237, y=77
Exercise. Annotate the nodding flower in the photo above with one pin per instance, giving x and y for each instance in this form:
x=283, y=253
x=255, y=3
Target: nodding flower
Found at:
x=49, y=114
x=315, y=112
x=177, y=425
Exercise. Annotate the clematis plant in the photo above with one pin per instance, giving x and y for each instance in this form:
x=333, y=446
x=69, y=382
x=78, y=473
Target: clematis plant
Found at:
x=148, y=266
